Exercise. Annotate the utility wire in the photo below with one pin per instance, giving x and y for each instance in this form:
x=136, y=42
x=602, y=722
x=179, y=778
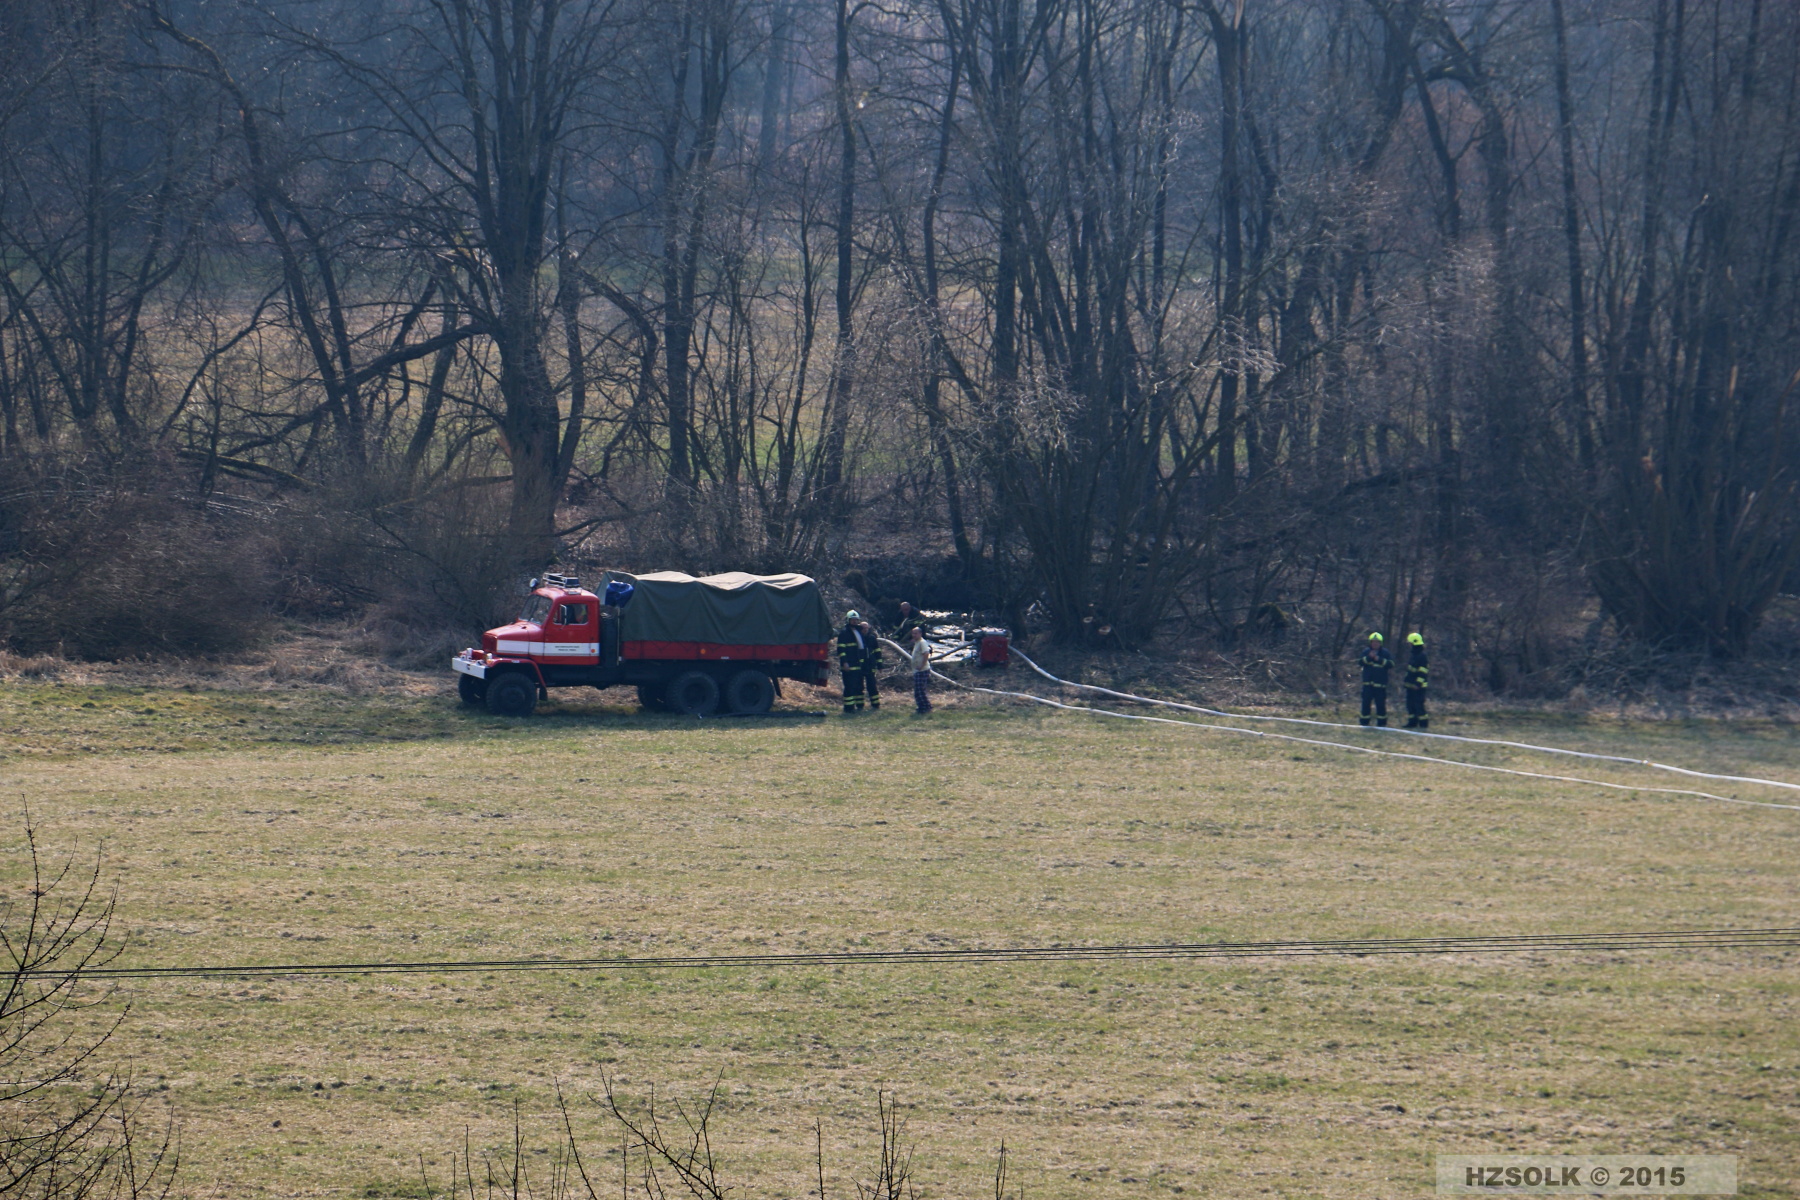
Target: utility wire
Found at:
x=1674, y=939
x=1687, y=939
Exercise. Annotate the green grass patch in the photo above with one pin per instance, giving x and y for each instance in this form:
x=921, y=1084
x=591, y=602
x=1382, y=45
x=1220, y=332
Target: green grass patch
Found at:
x=304, y=826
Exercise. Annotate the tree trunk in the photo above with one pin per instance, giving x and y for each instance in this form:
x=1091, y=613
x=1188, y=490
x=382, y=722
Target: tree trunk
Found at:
x=843, y=376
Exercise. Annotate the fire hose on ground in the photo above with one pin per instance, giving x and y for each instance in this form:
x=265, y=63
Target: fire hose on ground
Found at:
x=1424, y=758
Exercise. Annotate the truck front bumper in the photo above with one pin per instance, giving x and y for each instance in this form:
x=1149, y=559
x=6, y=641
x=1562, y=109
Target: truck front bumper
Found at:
x=463, y=664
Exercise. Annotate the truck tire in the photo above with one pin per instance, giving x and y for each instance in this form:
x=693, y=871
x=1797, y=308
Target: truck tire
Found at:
x=472, y=690
x=750, y=691
x=512, y=695
x=650, y=697
x=692, y=694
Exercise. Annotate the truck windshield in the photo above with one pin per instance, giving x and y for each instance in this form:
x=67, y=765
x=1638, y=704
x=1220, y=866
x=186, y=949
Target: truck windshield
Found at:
x=536, y=609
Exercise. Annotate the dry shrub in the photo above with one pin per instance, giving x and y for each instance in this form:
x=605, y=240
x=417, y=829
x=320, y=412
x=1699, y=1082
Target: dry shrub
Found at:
x=29, y=666
x=110, y=563
x=404, y=642
x=351, y=678
x=452, y=553
x=669, y=1149
x=172, y=586
x=326, y=563
x=420, y=573
x=1526, y=626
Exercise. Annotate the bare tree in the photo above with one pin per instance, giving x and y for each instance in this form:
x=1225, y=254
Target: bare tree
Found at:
x=104, y=193
x=69, y=1129
x=489, y=121
x=1696, y=526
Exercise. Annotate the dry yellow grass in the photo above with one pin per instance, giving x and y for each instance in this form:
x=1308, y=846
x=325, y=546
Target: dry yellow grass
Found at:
x=304, y=826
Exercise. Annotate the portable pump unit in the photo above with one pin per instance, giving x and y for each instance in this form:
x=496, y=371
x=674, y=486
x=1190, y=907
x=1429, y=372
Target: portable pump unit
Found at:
x=992, y=646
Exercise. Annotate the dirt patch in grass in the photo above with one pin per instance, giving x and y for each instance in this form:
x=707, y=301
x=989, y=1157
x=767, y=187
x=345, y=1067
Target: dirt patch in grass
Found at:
x=310, y=826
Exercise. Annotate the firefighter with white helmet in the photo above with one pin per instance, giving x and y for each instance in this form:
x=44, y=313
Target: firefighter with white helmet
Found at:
x=859, y=657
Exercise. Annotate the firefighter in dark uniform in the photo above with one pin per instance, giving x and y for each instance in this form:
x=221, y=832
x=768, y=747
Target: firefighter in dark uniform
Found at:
x=859, y=657
x=1417, y=668
x=1375, y=662
x=909, y=621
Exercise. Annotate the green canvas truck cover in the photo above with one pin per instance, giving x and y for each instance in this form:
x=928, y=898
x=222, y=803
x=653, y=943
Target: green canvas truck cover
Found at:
x=731, y=609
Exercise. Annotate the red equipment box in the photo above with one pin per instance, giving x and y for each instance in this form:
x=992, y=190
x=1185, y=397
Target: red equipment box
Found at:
x=992, y=647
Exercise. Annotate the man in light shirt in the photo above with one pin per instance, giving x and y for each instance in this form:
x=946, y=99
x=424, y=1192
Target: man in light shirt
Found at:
x=918, y=655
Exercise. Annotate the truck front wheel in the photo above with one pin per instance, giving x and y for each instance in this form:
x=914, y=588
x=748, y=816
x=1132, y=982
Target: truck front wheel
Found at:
x=472, y=690
x=693, y=694
x=512, y=695
x=750, y=691
x=650, y=697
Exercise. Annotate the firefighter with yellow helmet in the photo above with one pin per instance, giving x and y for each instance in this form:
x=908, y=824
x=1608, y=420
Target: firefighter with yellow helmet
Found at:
x=1375, y=662
x=1418, y=667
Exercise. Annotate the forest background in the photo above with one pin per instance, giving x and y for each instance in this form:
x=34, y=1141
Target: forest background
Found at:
x=1238, y=326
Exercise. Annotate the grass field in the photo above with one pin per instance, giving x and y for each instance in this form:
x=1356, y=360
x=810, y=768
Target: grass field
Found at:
x=300, y=825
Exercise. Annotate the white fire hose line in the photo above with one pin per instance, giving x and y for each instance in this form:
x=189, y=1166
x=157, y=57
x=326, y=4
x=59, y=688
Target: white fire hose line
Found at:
x=1448, y=737
x=1288, y=737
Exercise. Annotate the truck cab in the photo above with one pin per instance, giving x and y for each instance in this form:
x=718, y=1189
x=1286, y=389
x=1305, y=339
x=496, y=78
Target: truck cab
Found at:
x=559, y=625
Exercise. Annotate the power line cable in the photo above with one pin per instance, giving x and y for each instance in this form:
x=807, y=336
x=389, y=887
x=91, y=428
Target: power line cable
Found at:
x=1675, y=939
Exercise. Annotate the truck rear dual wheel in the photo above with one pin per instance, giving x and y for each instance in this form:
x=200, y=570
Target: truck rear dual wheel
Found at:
x=699, y=693
x=749, y=691
x=512, y=695
x=471, y=690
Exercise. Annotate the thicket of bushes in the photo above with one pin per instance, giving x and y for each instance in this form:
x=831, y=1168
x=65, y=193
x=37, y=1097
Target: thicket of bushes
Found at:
x=127, y=561
x=106, y=563
x=130, y=562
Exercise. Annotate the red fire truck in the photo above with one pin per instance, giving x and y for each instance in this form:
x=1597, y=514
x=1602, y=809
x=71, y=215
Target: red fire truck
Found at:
x=689, y=645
